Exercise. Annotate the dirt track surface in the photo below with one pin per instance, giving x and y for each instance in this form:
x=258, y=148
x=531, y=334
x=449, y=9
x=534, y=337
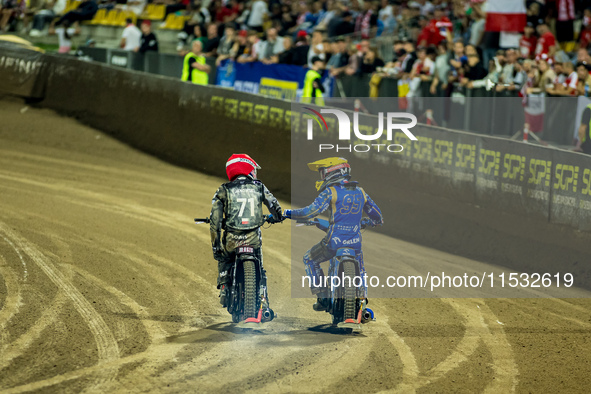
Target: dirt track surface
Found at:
x=106, y=285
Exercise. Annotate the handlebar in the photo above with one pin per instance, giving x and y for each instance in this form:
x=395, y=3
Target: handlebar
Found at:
x=324, y=224
x=312, y=222
x=268, y=219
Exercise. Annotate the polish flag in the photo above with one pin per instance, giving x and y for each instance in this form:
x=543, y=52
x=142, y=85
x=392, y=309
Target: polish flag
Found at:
x=505, y=15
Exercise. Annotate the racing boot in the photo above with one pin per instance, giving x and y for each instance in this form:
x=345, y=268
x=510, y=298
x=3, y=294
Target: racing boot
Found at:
x=223, y=282
x=224, y=295
x=322, y=302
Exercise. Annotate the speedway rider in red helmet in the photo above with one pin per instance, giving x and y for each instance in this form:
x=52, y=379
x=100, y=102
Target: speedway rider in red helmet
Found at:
x=345, y=203
x=237, y=209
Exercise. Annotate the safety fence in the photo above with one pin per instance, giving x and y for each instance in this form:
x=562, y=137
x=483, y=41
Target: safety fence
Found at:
x=165, y=64
x=478, y=106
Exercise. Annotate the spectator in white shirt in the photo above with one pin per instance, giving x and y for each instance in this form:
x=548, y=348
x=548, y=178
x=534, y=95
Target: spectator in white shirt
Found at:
x=386, y=15
x=136, y=6
x=425, y=6
x=508, y=72
x=271, y=47
x=257, y=14
x=131, y=37
x=316, y=47
x=49, y=11
x=65, y=34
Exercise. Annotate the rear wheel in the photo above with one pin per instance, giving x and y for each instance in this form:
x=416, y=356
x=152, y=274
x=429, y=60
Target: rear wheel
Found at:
x=250, y=289
x=346, y=298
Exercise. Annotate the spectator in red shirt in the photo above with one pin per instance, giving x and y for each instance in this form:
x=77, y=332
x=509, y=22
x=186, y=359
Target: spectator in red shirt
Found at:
x=565, y=18
x=528, y=42
x=546, y=42
x=228, y=13
x=441, y=24
x=366, y=20
x=436, y=31
x=585, y=37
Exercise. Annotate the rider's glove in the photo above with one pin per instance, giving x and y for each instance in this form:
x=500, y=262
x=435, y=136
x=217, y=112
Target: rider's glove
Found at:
x=367, y=222
x=287, y=213
x=218, y=254
x=272, y=219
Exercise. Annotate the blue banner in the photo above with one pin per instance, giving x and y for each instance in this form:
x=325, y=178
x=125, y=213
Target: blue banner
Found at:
x=226, y=74
x=280, y=81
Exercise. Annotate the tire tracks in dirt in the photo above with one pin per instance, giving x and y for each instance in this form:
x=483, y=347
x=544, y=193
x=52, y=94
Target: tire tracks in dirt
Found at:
x=107, y=347
x=12, y=300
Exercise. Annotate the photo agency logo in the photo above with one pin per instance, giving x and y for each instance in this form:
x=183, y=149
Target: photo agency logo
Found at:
x=389, y=122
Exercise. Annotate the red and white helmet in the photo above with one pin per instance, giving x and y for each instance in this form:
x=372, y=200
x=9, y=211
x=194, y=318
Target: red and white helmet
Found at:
x=241, y=164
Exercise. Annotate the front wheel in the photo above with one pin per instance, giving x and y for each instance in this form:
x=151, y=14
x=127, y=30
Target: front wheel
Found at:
x=250, y=289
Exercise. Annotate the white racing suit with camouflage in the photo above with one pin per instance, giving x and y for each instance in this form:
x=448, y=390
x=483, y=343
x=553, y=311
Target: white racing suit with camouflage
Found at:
x=237, y=209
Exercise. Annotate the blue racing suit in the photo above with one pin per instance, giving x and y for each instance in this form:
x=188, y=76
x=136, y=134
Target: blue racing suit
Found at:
x=345, y=202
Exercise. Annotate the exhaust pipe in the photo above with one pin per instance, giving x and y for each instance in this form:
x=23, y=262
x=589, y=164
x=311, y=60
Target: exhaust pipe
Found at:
x=367, y=316
x=268, y=314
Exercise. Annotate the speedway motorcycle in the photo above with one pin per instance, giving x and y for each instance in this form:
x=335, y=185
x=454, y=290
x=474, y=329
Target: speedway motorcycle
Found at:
x=347, y=302
x=248, y=300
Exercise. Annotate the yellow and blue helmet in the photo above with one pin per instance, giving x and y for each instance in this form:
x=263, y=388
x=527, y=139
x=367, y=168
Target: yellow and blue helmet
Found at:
x=332, y=170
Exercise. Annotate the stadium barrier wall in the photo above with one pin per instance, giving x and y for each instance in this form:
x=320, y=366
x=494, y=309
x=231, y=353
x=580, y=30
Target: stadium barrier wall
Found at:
x=532, y=180
x=170, y=119
x=20, y=70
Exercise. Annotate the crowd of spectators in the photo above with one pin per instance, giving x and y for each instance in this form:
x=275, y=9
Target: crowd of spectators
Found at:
x=442, y=42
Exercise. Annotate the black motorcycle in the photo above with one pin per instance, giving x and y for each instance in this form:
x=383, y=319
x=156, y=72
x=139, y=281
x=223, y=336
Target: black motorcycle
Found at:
x=248, y=301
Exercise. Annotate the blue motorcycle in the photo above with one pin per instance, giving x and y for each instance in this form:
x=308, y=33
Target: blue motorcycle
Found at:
x=347, y=303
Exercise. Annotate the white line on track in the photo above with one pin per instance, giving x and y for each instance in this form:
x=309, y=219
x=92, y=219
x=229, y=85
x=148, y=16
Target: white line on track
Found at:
x=478, y=314
x=504, y=365
x=467, y=346
x=410, y=368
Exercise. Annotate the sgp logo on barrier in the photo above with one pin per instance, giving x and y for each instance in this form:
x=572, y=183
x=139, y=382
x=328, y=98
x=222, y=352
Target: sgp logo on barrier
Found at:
x=392, y=122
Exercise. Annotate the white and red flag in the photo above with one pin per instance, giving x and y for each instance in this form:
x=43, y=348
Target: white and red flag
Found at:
x=505, y=15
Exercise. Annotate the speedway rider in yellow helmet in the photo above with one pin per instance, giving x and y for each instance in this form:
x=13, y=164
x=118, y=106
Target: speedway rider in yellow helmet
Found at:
x=345, y=203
